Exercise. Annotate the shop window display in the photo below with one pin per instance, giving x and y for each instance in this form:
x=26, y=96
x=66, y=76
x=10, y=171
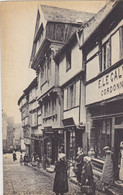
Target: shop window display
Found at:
x=102, y=136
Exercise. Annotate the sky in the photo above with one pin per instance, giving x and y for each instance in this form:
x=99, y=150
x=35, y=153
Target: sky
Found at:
x=17, y=24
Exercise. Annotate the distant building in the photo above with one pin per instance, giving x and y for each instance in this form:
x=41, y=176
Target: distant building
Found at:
x=10, y=131
x=4, y=130
x=17, y=136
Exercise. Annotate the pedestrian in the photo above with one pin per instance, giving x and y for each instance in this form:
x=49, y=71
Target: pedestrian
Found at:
x=25, y=159
x=61, y=178
x=107, y=177
x=87, y=181
x=121, y=162
x=14, y=156
x=91, y=153
x=79, y=163
x=21, y=159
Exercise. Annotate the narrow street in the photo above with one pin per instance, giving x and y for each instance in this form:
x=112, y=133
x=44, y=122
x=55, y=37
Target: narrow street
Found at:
x=25, y=180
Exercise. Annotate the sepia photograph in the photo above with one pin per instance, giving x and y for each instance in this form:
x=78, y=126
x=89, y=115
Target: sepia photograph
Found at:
x=61, y=97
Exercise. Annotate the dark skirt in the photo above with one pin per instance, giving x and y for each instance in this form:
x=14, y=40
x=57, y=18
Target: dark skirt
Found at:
x=60, y=183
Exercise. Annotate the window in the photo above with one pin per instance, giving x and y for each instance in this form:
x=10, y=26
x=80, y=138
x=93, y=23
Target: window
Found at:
x=46, y=70
x=45, y=109
x=71, y=96
x=34, y=119
x=106, y=55
x=102, y=136
x=115, y=47
x=68, y=60
x=112, y=50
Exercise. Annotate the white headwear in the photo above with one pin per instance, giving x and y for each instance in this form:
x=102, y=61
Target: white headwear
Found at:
x=61, y=155
x=106, y=148
x=87, y=158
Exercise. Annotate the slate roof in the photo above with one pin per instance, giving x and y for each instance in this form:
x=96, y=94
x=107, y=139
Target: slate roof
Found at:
x=96, y=20
x=65, y=15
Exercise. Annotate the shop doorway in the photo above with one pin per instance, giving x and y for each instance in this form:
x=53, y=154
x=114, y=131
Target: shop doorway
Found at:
x=37, y=148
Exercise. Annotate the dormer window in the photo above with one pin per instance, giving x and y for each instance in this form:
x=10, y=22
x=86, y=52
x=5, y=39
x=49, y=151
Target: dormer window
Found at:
x=68, y=60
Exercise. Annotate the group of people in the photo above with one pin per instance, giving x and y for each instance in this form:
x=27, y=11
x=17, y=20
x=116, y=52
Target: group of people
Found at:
x=84, y=171
x=84, y=175
x=23, y=159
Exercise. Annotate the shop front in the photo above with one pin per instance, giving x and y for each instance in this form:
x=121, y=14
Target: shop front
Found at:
x=72, y=138
x=105, y=113
x=53, y=141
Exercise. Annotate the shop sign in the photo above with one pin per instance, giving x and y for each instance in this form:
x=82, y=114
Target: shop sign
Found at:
x=48, y=129
x=107, y=86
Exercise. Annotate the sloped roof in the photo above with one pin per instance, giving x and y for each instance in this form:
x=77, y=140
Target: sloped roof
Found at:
x=32, y=85
x=65, y=15
x=22, y=96
x=96, y=20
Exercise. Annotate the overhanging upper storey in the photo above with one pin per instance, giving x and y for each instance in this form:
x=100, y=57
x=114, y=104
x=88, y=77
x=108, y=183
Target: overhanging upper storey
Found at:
x=39, y=57
x=54, y=24
x=100, y=24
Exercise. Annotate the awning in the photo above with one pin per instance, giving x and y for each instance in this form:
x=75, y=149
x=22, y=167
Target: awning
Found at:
x=68, y=122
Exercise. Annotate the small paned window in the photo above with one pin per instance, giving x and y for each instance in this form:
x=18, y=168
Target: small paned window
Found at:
x=72, y=96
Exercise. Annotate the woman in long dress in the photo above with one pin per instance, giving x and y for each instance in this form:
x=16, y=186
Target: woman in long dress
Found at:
x=87, y=175
x=79, y=163
x=61, y=178
x=107, y=176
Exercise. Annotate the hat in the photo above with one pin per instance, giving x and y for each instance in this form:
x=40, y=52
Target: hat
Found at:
x=61, y=155
x=121, y=144
x=87, y=158
x=106, y=148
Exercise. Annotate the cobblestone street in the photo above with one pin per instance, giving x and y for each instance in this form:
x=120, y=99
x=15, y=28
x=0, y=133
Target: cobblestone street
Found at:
x=25, y=180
